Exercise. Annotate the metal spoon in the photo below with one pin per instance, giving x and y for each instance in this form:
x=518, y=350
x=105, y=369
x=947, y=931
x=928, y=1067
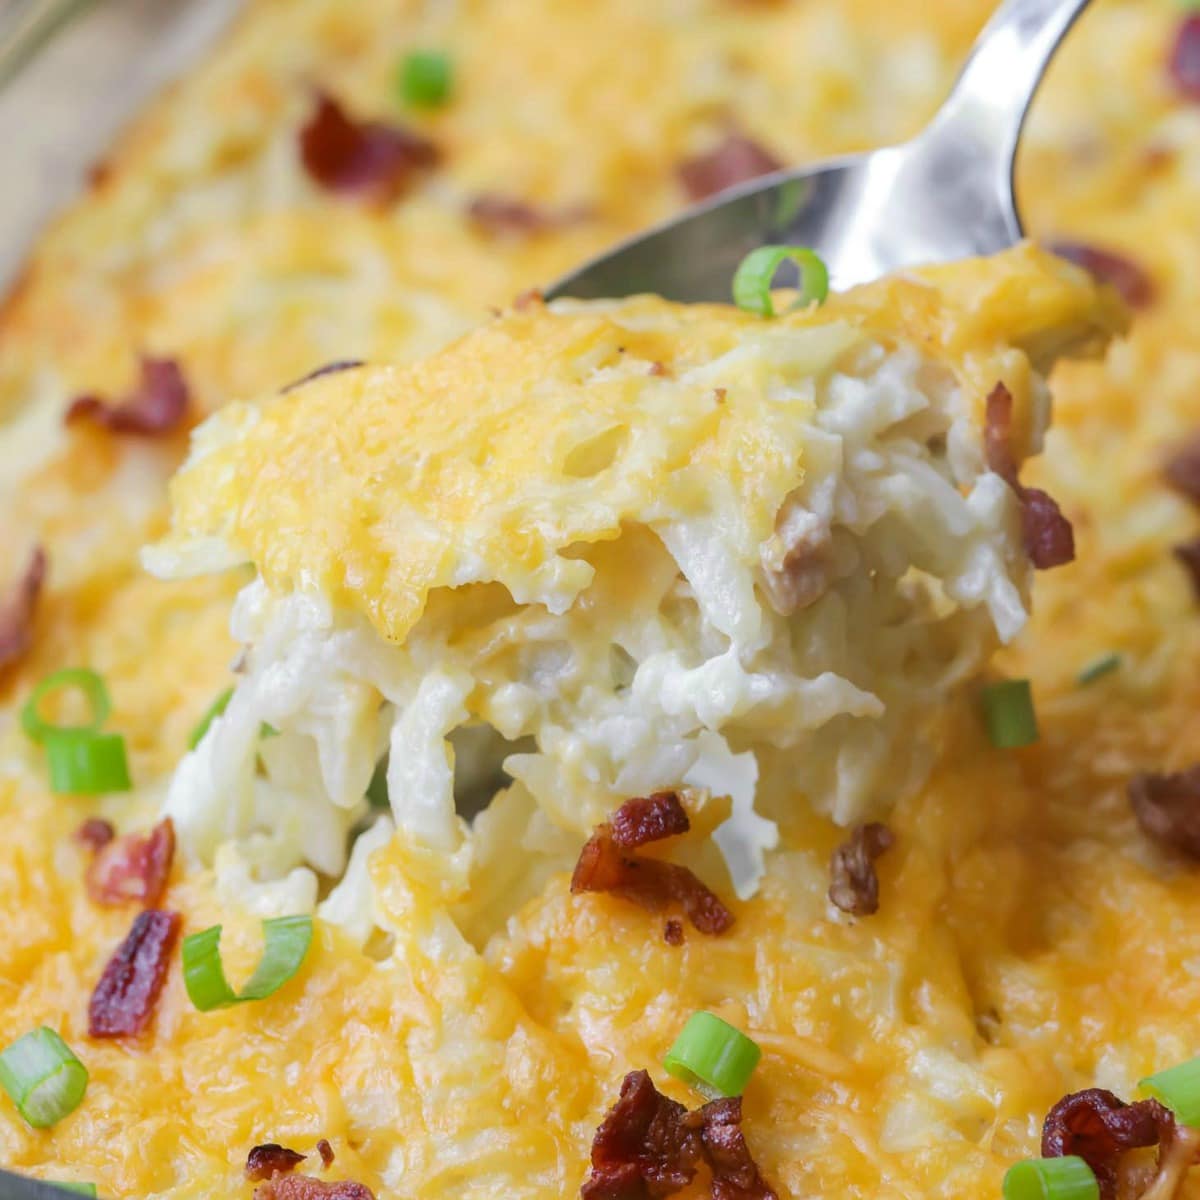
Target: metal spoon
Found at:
x=946, y=194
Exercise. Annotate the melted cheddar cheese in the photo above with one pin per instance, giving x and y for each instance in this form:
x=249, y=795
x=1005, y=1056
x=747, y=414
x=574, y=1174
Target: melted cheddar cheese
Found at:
x=1030, y=940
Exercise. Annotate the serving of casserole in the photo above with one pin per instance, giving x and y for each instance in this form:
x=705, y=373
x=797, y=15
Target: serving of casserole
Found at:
x=453, y=744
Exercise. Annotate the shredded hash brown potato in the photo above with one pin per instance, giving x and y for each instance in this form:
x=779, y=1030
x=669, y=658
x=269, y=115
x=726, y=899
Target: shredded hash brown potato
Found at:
x=462, y=1035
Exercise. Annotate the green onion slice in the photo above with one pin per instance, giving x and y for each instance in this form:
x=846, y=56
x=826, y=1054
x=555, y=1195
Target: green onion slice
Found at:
x=215, y=709
x=1067, y=1178
x=1098, y=668
x=712, y=1056
x=1008, y=714
x=287, y=940
x=1178, y=1088
x=88, y=682
x=425, y=79
x=86, y=764
x=752, y=280
x=45, y=1080
x=84, y=1189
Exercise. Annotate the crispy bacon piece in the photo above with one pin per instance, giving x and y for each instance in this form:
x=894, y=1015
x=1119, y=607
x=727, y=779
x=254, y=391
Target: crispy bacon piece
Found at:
x=305, y=1187
x=1107, y=266
x=736, y=160
x=673, y=932
x=1182, y=469
x=157, y=406
x=330, y=368
x=271, y=1159
x=646, y=1146
x=134, y=867
x=498, y=215
x=648, y=882
x=1167, y=808
x=1184, y=63
x=1099, y=1127
x=735, y=1175
x=360, y=157
x=1049, y=538
x=325, y=1150
x=123, y=1002
x=1188, y=554
x=95, y=832
x=648, y=819
x=854, y=885
x=16, y=613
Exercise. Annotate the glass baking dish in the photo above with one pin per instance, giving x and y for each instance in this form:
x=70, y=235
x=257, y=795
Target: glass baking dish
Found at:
x=72, y=72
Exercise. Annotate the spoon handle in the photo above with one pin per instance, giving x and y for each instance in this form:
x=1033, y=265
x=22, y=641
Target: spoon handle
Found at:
x=988, y=103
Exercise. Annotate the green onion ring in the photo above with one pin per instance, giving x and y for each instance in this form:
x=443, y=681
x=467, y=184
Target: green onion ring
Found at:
x=86, y=681
x=44, y=1078
x=752, y=279
x=1066, y=1178
x=83, y=763
x=286, y=943
x=712, y=1056
x=1178, y=1088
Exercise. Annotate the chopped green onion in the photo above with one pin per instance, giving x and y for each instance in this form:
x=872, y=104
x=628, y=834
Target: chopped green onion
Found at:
x=286, y=939
x=215, y=709
x=712, y=1056
x=84, y=1189
x=1067, y=1178
x=1098, y=668
x=425, y=79
x=86, y=764
x=1178, y=1088
x=267, y=730
x=88, y=682
x=45, y=1080
x=752, y=280
x=1008, y=714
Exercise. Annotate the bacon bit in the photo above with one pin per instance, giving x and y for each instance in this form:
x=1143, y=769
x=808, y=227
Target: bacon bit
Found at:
x=1167, y=808
x=673, y=932
x=16, y=614
x=157, y=406
x=325, y=1150
x=1135, y=286
x=735, y=1173
x=645, y=1146
x=1048, y=536
x=364, y=157
x=95, y=833
x=1099, y=1127
x=736, y=160
x=1184, y=63
x=1182, y=469
x=123, y=1002
x=1188, y=554
x=854, y=886
x=648, y=819
x=134, y=867
x=496, y=214
x=305, y=1187
x=330, y=368
x=647, y=882
x=658, y=369
x=271, y=1159
x=649, y=1146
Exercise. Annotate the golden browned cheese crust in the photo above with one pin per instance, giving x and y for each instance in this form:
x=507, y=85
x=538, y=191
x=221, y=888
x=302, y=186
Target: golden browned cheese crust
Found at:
x=1029, y=940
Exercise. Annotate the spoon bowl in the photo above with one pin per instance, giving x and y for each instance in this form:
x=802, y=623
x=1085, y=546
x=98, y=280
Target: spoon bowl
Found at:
x=945, y=195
